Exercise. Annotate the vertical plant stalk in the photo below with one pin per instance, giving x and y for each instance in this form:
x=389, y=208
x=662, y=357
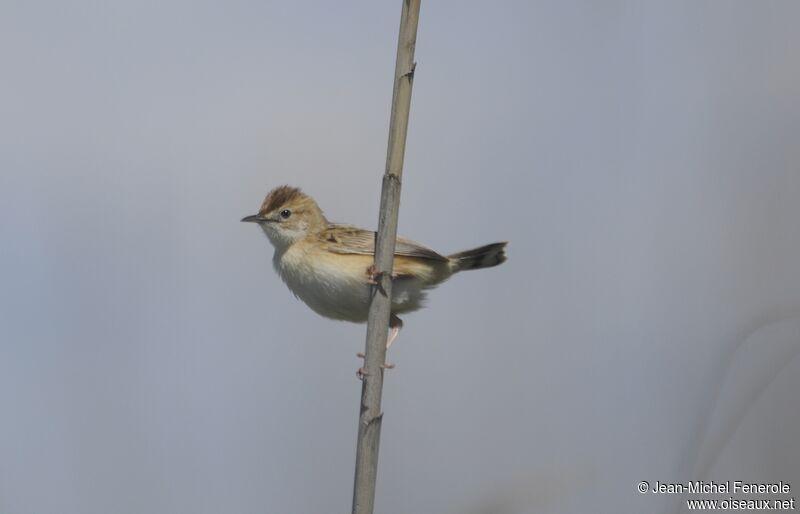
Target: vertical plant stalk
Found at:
x=369, y=422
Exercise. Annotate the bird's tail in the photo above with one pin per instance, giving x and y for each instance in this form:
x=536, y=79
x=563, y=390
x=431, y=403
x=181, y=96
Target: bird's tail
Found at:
x=477, y=258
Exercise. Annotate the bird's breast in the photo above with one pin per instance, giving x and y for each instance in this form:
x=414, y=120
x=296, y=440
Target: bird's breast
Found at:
x=334, y=286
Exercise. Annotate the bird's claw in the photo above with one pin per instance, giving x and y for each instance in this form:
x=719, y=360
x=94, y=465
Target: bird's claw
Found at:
x=373, y=275
x=361, y=372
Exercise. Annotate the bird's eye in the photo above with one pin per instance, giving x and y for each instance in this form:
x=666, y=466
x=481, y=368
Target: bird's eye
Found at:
x=286, y=213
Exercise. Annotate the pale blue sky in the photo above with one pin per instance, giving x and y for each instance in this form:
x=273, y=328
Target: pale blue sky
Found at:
x=642, y=159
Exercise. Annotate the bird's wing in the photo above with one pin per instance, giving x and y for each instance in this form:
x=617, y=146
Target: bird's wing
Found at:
x=348, y=239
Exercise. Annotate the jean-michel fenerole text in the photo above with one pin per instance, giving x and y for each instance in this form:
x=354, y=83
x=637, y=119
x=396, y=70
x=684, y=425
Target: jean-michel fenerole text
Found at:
x=726, y=487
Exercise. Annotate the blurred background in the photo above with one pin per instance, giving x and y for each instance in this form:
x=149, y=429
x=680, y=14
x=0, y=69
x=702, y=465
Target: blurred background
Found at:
x=642, y=159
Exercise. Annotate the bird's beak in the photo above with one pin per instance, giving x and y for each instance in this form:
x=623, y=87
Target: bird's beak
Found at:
x=254, y=218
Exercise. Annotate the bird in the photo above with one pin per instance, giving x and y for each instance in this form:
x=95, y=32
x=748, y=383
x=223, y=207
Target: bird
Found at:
x=330, y=266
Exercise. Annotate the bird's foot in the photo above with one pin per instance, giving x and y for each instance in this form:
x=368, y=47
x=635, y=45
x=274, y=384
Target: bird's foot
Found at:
x=373, y=275
x=361, y=372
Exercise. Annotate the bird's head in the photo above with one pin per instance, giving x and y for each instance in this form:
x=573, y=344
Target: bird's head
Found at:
x=287, y=216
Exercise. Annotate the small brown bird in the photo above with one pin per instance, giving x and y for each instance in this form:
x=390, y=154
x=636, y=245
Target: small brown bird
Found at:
x=330, y=266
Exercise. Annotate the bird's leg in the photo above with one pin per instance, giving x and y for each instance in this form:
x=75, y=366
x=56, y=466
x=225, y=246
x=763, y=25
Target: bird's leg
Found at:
x=395, y=324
